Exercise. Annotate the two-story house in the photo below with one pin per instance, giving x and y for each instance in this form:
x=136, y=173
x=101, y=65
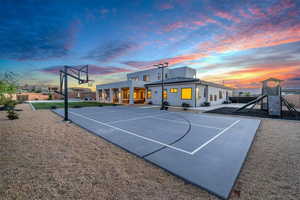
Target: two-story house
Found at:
x=181, y=86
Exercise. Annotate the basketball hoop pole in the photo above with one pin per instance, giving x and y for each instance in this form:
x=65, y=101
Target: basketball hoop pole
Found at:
x=76, y=74
x=66, y=98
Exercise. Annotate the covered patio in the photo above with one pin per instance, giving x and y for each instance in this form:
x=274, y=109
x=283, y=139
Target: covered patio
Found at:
x=125, y=92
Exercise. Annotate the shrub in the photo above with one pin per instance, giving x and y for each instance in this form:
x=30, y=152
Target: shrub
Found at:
x=9, y=104
x=77, y=106
x=185, y=105
x=11, y=114
x=206, y=104
x=50, y=97
x=226, y=102
x=100, y=105
x=53, y=107
x=36, y=99
x=10, y=107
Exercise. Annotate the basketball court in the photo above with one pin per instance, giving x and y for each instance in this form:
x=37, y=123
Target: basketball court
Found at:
x=205, y=150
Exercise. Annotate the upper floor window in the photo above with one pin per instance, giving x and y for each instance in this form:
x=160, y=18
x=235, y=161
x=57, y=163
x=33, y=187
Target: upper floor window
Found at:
x=134, y=78
x=158, y=76
x=146, y=78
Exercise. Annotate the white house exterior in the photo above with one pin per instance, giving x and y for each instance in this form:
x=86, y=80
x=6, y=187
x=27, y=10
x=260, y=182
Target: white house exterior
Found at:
x=181, y=86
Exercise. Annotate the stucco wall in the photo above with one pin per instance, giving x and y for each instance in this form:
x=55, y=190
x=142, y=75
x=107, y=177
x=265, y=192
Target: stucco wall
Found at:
x=198, y=97
x=174, y=99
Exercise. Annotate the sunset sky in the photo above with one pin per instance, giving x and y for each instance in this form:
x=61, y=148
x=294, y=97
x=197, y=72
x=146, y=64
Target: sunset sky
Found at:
x=240, y=42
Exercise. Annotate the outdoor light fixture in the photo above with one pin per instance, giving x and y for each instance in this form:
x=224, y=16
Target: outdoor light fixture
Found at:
x=162, y=66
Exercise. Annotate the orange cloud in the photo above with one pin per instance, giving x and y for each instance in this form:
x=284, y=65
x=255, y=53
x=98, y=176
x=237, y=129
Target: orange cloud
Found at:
x=251, y=77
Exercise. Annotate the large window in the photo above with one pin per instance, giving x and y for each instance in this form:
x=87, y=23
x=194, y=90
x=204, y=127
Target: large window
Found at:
x=165, y=94
x=158, y=76
x=186, y=93
x=173, y=90
x=134, y=78
x=149, y=94
x=220, y=95
x=146, y=78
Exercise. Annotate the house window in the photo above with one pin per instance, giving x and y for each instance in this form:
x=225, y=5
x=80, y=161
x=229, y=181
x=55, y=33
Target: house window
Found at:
x=220, y=95
x=149, y=94
x=135, y=78
x=210, y=97
x=158, y=76
x=186, y=93
x=146, y=78
x=173, y=90
x=215, y=97
x=165, y=94
x=166, y=76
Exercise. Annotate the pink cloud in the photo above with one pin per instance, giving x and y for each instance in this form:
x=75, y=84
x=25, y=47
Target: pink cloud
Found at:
x=257, y=12
x=204, y=21
x=174, y=26
x=165, y=6
x=279, y=7
x=244, y=14
x=227, y=16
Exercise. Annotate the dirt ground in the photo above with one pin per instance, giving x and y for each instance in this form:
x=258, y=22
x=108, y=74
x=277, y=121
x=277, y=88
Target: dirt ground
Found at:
x=42, y=157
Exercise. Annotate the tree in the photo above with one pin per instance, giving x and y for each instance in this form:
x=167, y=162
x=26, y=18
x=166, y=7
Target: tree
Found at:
x=8, y=86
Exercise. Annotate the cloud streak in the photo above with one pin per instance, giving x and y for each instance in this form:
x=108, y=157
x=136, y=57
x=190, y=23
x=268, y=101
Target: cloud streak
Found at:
x=93, y=70
x=111, y=51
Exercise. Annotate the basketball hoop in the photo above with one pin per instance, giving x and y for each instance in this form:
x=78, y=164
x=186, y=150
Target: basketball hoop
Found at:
x=91, y=83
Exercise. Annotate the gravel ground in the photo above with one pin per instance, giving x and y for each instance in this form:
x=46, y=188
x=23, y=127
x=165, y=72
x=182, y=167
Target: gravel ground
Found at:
x=42, y=157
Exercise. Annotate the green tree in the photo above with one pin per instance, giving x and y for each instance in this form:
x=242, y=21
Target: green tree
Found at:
x=8, y=86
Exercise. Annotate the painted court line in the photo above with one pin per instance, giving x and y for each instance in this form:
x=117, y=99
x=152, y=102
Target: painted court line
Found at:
x=215, y=137
x=131, y=133
x=193, y=124
x=135, y=118
x=157, y=142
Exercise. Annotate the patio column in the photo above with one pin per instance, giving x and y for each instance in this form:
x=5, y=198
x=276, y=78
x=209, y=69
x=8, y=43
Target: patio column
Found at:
x=131, y=96
x=110, y=95
x=97, y=94
x=120, y=95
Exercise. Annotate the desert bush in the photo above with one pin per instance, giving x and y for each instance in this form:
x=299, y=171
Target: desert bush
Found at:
x=12, y=114
x=53, y=107
x=9, y=104
x=205, y=104
x=226, y=102
x=185, y=105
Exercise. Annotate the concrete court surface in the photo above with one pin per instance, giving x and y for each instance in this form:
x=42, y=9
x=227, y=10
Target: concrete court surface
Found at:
x=205, y=150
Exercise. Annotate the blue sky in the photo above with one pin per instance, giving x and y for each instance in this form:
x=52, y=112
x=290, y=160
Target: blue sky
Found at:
x=238, y=42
